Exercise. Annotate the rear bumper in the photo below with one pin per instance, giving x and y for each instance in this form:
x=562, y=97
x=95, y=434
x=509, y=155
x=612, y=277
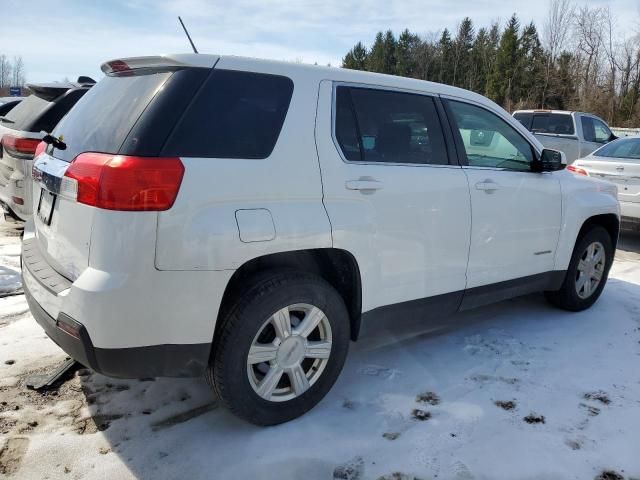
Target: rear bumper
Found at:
x=129, y=331
x=630, y=211
x=137, y=362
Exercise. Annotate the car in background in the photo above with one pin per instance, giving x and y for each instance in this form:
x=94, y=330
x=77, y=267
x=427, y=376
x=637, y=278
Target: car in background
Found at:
x=617, y=162
x=22, y=129
x=577, y=134
x=7, y=104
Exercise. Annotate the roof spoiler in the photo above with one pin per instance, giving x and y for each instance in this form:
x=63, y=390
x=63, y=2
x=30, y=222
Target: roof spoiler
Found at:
x=161, y=62
x=49, y=91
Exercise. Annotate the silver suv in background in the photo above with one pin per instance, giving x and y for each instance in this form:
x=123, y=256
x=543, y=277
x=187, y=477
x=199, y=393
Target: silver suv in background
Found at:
x=22, y=129
x=577, y=134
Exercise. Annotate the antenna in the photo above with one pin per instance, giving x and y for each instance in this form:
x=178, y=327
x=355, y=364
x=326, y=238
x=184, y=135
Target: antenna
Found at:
x=188, y=36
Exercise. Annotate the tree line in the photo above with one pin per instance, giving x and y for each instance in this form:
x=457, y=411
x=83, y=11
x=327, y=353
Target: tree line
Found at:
x=12, y=72
x=579, y=61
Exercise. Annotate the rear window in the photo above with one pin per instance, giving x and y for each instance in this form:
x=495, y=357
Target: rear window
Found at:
x=102, y=119
x=26, y=113
x=556, y=123
x=524, y=118
x=628, y=148
x=235, y=115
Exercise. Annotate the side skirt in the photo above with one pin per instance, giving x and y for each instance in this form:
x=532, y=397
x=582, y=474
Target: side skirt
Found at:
x=439, y=306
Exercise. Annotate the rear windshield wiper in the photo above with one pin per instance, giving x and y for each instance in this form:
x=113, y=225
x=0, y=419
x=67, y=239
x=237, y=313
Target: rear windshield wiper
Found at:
x=55, y=141
x=5, y=119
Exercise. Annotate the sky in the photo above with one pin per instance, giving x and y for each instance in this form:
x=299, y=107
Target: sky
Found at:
x=75, y=36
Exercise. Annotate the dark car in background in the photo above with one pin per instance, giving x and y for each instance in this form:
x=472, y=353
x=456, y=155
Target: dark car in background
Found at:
x=22, y=129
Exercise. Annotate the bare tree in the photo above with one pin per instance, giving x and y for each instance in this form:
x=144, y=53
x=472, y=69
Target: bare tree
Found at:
x=18, y=74
x=556, y=27
x=589, y=26
x=5, y=71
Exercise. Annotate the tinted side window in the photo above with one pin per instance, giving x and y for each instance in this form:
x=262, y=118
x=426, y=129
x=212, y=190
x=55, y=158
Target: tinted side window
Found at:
x=524, y=118
x=488, y=140
x=346, y=128
x=235, y=115
x=557, y=123
x=392, y=127
x=587, y=129
x=601, y=131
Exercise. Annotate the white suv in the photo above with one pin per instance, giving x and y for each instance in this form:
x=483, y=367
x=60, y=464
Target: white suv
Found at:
x=238, y=218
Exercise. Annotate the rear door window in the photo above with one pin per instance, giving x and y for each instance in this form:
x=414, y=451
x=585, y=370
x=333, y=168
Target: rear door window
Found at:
x=556, y=123
x=235, y=115
x=374, y=125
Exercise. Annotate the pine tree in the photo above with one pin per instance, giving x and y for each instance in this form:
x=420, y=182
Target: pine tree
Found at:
x=462, y=54
x=382, y=56
x=501, y=81
x=406, y=54
x=356, y=58
x=445, y=46
x=529, y=77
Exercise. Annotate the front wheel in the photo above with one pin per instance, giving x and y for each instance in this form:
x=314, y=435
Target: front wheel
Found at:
x=280, y=348
x=587, y=273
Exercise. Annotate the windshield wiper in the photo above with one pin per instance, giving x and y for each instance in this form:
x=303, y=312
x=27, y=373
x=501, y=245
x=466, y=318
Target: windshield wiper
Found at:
x=5, y=119
x=55, y=141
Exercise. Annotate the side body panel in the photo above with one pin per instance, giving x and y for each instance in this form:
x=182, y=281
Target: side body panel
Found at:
x=201, y=230
x=582, y=198
x=410, y=237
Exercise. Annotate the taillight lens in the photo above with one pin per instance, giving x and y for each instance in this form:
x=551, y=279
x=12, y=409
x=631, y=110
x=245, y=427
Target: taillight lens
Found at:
x=578, y=170
x=120, y=182
x=20, y=147
x=39, y=149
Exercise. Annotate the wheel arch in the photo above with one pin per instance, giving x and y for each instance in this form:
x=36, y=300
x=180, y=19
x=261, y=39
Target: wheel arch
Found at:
x=336, y=266
x=609, y=221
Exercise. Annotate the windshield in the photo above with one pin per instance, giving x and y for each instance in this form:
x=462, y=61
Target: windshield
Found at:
x=622, y=148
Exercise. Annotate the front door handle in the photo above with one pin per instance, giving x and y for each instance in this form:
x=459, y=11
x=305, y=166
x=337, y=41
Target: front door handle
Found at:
x=488, y=186
x=365, y=185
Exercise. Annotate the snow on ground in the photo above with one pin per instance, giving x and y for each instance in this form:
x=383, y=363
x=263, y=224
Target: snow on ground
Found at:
x=515, y=390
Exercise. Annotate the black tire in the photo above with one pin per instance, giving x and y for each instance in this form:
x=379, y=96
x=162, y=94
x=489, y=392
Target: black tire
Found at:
x=227, y=372
x=567, y=296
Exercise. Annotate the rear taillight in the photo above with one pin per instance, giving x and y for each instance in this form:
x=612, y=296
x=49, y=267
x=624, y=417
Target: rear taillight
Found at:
x=20, y=147
x=578, y=170
x=120, y=182
x=39, y=149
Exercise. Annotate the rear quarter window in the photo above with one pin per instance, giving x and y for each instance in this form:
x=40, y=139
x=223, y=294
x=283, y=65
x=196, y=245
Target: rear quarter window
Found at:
x=235, y=115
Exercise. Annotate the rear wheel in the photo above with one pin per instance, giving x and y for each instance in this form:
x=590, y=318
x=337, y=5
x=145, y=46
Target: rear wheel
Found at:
x=280, y=348
x=587, y=273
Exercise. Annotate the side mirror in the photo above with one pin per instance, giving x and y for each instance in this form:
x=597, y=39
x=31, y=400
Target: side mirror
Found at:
x=612, y=137
x=550, y=161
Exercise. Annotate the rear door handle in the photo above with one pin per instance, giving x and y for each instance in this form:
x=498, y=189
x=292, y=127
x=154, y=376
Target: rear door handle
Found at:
x=364, y=185
x=489, y=186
